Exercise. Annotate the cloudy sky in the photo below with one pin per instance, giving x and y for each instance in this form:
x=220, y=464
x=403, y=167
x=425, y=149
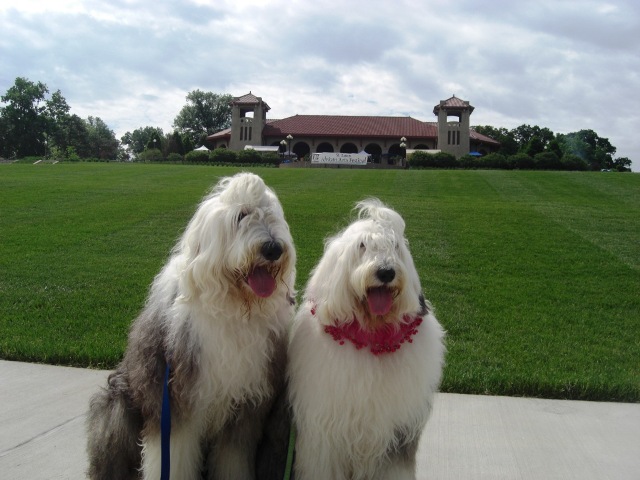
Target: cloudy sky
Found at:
x=565, y=65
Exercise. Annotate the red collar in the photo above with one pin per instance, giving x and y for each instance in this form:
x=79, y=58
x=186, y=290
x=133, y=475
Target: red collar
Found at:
x=385, y=339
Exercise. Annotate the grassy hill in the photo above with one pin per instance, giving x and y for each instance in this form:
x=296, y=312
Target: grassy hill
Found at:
x=535, y=275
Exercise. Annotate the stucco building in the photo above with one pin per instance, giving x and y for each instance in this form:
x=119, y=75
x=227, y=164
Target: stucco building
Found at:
x=382, y=137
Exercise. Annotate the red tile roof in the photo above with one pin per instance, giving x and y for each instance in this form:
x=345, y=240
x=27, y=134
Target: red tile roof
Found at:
x=249, y=99
x=350, y=126
x=453, y=103
x=481, y=138
x=221, y=134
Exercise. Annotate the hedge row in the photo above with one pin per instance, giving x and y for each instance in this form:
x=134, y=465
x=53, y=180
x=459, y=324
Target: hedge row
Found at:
x=224, y=156
x=541, y=161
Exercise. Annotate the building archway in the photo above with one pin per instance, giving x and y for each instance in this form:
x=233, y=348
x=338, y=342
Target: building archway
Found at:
x=301, y=149
x=375, y=151
x=395, y=151
x=324, y=147
x=422, y=146
x=349, y=148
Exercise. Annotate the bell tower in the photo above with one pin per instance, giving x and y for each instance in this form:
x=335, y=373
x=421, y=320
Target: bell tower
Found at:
x=248, y=118
x=453, y=136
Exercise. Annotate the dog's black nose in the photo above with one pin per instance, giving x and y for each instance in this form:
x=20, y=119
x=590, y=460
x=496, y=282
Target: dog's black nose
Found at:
x=271, y=251
x=386, y=275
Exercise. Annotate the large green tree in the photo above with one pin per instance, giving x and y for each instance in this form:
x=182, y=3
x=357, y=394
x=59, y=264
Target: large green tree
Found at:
x=68, y=134
x=139, y=139
x=205, y=113
x=56, y=114
x=532, y=139
x=622, y=164
x=588, y=145
x=102, y=141
x=175, y=143
x=21, y=119
x=33, y=125
x=523, y=139
x=76, y=135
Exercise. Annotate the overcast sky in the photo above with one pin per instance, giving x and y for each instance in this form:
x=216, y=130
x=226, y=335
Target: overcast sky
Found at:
x=565, y=65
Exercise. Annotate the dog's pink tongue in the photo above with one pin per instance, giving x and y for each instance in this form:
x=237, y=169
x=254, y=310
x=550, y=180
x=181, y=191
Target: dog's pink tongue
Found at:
x=380, y=300
x=261, y=282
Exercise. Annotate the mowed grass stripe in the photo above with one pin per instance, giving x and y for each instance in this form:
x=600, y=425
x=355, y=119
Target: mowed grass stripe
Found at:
x=533, y=274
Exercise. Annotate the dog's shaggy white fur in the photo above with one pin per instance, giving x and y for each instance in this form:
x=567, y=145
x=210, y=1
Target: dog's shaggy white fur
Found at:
x=218, y=313
x=360, y=408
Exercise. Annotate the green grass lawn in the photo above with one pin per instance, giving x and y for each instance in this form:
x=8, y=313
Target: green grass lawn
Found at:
x=535, y=275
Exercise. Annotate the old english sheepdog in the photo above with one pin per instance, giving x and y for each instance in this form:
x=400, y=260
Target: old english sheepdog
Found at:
x=365, y=357
x=218, y=313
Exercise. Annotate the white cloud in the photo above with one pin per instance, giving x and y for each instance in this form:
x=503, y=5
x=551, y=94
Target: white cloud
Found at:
x=565, y=65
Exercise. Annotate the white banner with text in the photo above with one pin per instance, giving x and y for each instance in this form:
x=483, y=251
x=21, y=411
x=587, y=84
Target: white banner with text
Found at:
x=332, y=158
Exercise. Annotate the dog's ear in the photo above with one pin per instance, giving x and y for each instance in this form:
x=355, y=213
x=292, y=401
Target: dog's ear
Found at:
x=424, y=307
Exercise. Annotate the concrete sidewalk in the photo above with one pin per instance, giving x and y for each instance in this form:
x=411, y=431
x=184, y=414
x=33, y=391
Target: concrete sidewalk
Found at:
x=42, y=413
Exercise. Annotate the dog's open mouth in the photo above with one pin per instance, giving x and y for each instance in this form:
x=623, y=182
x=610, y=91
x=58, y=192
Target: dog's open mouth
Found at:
x=380, y=300
x=262, y=282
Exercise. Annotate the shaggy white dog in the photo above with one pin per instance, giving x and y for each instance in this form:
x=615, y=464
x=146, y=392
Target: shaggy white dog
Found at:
x=365, y=357
x=218, y=312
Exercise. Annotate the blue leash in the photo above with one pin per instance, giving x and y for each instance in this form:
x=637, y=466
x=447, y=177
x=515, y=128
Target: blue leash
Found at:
x=165, y=428
x=288, y=469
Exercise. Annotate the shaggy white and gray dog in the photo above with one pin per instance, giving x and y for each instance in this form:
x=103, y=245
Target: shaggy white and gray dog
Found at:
x=218, y=312
x=365, y=357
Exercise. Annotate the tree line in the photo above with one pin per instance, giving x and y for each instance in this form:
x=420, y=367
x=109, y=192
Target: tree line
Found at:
x=532, y=147
x=36, y=124
x=33, y=124
x=203, y=114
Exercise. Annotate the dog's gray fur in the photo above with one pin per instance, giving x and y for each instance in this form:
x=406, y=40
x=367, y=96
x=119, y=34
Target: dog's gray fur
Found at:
x=129, y=408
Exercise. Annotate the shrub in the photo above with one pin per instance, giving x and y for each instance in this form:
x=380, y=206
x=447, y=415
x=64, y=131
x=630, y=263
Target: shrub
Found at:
x=249, y=156
x=522, y=161
x=573, y=162
x=469, y=161
x=223, y=155
x=547, y=161
x=150, y=155
x=174, y=158
x=495, y=160
x=417, y=159
x=72, y=155
x=197, y=156
x=432, y=160
x=444, y=160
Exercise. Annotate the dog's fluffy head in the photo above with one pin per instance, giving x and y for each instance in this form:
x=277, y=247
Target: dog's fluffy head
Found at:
x=238, y=244
x=367, y=272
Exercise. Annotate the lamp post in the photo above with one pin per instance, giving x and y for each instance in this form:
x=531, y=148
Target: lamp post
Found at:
x=154, y=143
x=403, y=146
x=289, y=138
x=283, y=147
